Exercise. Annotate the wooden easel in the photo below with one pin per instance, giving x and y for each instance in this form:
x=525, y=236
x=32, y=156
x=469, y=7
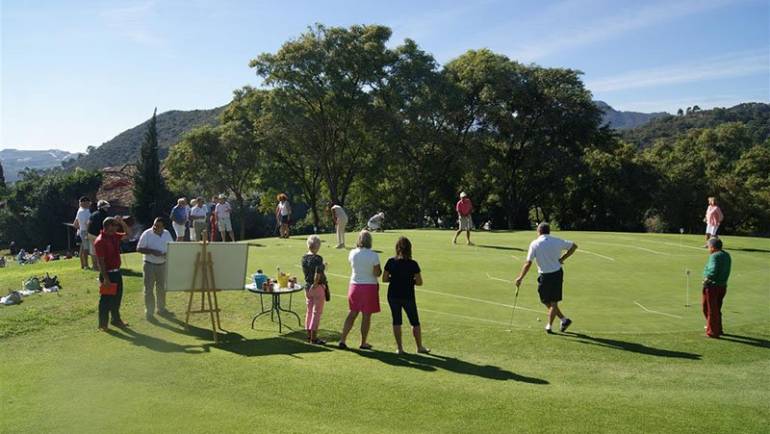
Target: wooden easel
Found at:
x=207, y=289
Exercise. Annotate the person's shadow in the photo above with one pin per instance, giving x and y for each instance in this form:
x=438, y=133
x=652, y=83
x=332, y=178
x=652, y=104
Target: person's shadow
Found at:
x=747, y=340
x=434, y=362
x=631, y=346
x=155, y=344
x=487, y=246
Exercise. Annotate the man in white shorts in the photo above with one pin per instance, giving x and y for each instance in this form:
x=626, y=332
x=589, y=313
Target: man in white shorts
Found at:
x=81, y=225
x=464, y=208
x=179, y=216
x=223, y=210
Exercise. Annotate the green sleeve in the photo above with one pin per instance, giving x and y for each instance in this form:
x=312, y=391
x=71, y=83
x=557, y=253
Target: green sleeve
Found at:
x=708, y=272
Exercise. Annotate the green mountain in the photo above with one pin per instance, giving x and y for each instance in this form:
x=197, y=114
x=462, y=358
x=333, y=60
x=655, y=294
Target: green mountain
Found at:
x=124, y=148
x=756, y=117
x=620, y=120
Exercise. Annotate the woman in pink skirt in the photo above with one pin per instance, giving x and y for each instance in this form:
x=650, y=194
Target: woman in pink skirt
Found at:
x=363, y=292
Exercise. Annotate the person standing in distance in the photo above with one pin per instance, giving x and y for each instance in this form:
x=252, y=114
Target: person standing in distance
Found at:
x=715, y=276
x=222, y=211
x=712, y=219
x=283, y=215
x=340, y=219
x=153, y=244
x=81, y=226
x=546, y=250
x=464, y=208
x=107, y=248
x=95, y=224
x=179, y=218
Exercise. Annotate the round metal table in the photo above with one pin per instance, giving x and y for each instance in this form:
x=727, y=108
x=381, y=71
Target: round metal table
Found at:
x=275, y=307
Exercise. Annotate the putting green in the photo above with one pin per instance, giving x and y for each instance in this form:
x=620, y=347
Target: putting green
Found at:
x=635, y=359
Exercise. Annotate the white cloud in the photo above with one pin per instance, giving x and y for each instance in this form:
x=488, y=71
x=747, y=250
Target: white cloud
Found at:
x=600, y=29
x=132, y=22
x=739, y=64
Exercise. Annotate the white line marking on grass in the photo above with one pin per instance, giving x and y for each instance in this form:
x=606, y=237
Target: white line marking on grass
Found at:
x=595, y=254
x=514, y=257
x=655, y=311
x=632, y=247
x=462, y=297
x=499, y=279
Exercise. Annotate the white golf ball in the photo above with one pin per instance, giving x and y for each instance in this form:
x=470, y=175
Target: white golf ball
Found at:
x=538, y=320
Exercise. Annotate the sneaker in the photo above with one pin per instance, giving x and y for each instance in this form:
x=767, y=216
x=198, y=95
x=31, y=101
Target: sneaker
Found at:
x=103, y=329
x=565, y=324
x=120, y=324
x=470, y=243
x=342, y=346
x=340, y=246
x=165, y=312
x=548, y=331
x=423, y=350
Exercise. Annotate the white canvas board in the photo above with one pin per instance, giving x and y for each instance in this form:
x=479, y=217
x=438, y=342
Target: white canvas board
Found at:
x=229, y=264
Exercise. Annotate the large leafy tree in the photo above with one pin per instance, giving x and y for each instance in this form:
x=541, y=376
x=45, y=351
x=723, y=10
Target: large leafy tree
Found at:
x=323, y=82
x=227, y=157
x=151, y=197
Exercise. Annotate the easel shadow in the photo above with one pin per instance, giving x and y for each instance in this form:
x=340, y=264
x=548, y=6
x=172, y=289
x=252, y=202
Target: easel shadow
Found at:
x=434, y=362
x=288, y=345
x=631, y=347
x=747, y=340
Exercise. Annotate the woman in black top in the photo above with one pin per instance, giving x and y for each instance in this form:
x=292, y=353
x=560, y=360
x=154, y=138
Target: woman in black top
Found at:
x=402, y=274
x=315, y=288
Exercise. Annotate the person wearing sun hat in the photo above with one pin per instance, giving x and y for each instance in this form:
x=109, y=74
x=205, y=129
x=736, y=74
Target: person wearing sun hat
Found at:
x=464, y=208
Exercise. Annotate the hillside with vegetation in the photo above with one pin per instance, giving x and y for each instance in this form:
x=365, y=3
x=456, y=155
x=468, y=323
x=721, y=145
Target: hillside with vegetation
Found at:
x=16, y=160
x=755, y=117
x=124, y=148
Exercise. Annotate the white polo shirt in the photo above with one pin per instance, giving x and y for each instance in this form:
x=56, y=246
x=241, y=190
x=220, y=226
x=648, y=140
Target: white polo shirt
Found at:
x=546, y=251
x=151, y=240
x=339, y=213
x=363, y=262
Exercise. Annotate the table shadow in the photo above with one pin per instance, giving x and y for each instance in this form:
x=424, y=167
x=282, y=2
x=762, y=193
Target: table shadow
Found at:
x=278, y=345
x=747, y=340
x=631, y=346
x=434, y=362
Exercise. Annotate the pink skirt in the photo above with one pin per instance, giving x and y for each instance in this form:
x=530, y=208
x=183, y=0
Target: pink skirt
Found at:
x=364, y=297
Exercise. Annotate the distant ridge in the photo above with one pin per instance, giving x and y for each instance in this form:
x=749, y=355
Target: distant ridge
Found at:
x=124, y=148
x=16, y=160
x=620, y=120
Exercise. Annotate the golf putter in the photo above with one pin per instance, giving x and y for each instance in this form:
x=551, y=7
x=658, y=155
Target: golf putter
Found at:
x=513, y=311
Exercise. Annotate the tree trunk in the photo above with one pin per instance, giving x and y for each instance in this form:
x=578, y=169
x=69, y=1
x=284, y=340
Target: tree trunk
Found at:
x=242, y=214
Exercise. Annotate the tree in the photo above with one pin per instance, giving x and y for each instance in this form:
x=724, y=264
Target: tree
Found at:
x=680, y=112
x=151, y=197
x=324, y=81
x=2, y=178
x=227, y=157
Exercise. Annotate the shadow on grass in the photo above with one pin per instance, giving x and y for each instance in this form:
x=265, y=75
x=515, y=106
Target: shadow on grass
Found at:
x=127, y=272
x=632, y=347
x=156, y=344
x=750, y=250
x=748, y=340
x=434, y=362
x=486, y=246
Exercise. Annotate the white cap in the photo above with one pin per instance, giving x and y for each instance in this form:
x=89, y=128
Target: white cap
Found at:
x=462, y=195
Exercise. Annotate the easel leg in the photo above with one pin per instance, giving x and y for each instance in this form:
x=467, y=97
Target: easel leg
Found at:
x=216, y=311
x=211, y=313
x=189, y=308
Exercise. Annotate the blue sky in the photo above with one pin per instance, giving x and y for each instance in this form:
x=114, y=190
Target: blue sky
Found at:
x=77, y=73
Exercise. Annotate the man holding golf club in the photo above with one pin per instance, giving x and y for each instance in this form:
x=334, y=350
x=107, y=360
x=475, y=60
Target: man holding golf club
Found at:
x=546, y=250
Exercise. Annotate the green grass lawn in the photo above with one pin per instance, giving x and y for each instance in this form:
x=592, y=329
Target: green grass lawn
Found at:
x=636, y=359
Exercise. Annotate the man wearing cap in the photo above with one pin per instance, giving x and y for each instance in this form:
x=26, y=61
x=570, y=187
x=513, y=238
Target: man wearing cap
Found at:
x=546, y=250
x=222, y=211
x=153, y=244
x=715, y=276
x=107, y=248
x=464, y=208
x=81, y=226
x=95, y=223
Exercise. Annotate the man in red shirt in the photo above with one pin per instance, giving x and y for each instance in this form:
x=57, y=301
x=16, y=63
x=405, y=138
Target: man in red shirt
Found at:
x=107, y=247
x=464, y=208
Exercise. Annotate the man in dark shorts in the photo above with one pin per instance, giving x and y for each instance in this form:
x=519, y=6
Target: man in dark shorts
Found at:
x=107, y=248
x=546, y=250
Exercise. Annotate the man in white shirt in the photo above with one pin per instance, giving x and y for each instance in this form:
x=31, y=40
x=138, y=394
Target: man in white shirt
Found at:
x=224, y=224
x=154, y=244
x=340, y=219
x=81, y=225
x=198, y=218
x=546, y=250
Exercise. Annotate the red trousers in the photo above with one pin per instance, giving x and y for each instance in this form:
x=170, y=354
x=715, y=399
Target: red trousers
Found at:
x=712, y=309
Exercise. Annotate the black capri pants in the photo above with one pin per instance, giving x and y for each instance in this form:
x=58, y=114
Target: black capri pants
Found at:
x=410, y=306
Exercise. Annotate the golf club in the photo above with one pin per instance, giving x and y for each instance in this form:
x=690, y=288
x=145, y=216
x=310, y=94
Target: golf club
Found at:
x=687, y=291
x=513, y=311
